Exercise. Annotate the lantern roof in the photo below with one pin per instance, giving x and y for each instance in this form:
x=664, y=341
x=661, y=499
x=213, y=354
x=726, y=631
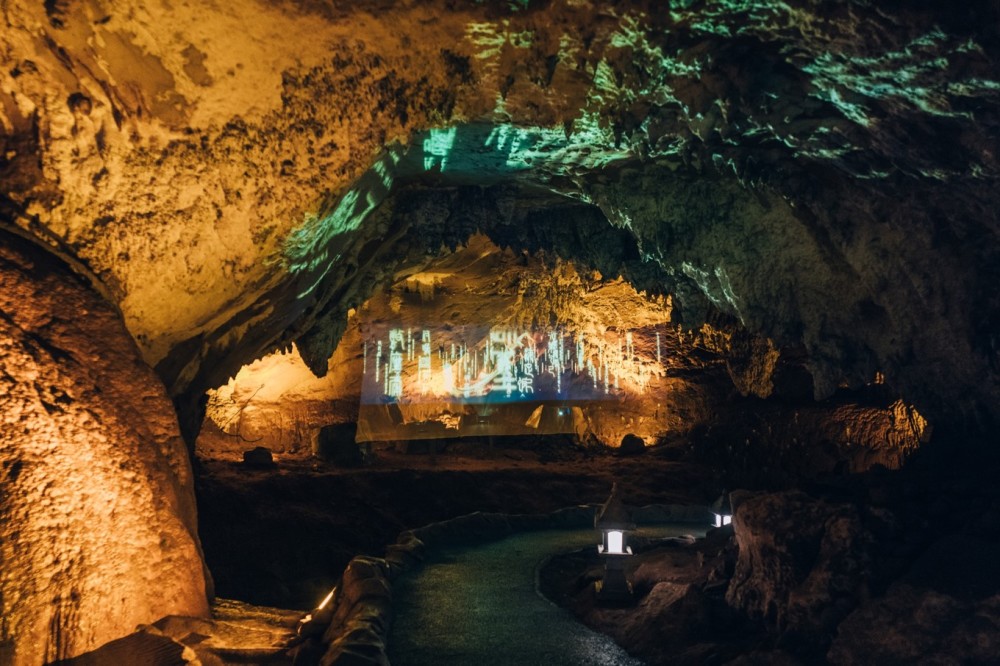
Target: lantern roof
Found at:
x=613, y=514
x=722, y=505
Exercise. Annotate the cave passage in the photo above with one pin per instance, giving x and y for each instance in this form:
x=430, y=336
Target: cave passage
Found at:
x=480, y=605
x=682, y=246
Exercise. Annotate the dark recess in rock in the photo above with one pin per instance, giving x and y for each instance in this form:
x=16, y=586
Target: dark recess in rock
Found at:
x=335, y=444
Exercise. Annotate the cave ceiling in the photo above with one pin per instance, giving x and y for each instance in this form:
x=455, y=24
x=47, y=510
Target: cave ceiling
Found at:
x=235, y=178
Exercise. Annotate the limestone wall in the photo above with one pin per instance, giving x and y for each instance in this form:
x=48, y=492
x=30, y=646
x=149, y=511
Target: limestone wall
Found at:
x=98, y=531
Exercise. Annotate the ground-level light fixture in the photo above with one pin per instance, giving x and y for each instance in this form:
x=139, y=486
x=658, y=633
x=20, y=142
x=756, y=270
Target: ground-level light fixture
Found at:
x=722, y=510
x=614, y=521
x=316, y=622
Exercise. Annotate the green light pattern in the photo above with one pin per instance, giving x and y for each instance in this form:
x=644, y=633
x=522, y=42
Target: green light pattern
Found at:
x=490, y=38
x=478, y=150
x=488, y=151
x=312, y=245
x=915, y=76
x=436, y=147
x=727, y=18
x=972, y=87
x=716, y=286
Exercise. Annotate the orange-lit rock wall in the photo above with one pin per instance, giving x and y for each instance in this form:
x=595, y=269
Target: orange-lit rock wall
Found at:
x=97, y=516
x=770, y=444
x=710, y=383
x=277, y=402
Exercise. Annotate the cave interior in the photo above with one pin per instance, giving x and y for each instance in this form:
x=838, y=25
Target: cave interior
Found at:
x=305, y=304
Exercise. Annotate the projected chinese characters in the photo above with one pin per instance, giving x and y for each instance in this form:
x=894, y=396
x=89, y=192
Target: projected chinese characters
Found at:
x=501, y=364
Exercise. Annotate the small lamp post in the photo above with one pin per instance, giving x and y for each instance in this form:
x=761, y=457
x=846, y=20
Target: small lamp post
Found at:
x=614, y=521
x=723, y=510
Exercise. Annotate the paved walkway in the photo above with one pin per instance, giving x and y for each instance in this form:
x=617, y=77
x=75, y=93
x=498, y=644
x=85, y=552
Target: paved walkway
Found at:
x=478, y=605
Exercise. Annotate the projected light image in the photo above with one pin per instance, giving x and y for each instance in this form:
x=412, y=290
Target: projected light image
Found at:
x=499, y=364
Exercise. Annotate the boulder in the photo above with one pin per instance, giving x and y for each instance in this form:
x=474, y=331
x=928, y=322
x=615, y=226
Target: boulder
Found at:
x=632, y=445
x=99, y=528
x=946, y=609
x=258, y=457
x=147, y=646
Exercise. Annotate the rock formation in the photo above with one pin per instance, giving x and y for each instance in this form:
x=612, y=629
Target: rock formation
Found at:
x=238, y=180
x=235, y=179
x=98, y=532
x=276, y=401
x=279, y=403
x=803, y=565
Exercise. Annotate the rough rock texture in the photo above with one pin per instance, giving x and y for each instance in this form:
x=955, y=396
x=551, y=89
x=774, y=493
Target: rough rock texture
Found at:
x=803, y=565
x=236, y=178
x=679, y=615
x=878, y=568
x=278, y=403
x=938, y=603
x=236, y=632
x=147, y=648
x=97, y=516
x=258, y=457
x=823, y=172
x=757, y=444
x=945, y=610
x=362, y=611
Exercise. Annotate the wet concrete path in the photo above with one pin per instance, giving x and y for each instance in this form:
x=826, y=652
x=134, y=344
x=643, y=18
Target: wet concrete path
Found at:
x=478, y=605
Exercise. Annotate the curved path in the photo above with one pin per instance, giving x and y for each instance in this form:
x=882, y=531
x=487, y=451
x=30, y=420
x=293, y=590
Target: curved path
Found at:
x=478, y=605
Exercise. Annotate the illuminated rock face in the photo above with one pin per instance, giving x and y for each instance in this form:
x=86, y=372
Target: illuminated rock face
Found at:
x=661, y=389
x=689, y=391
x=826, y=174
x=97, y=517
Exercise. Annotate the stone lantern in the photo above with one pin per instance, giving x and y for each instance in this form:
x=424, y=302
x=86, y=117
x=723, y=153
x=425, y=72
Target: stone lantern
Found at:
x=723, y=510
x=614, y=521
